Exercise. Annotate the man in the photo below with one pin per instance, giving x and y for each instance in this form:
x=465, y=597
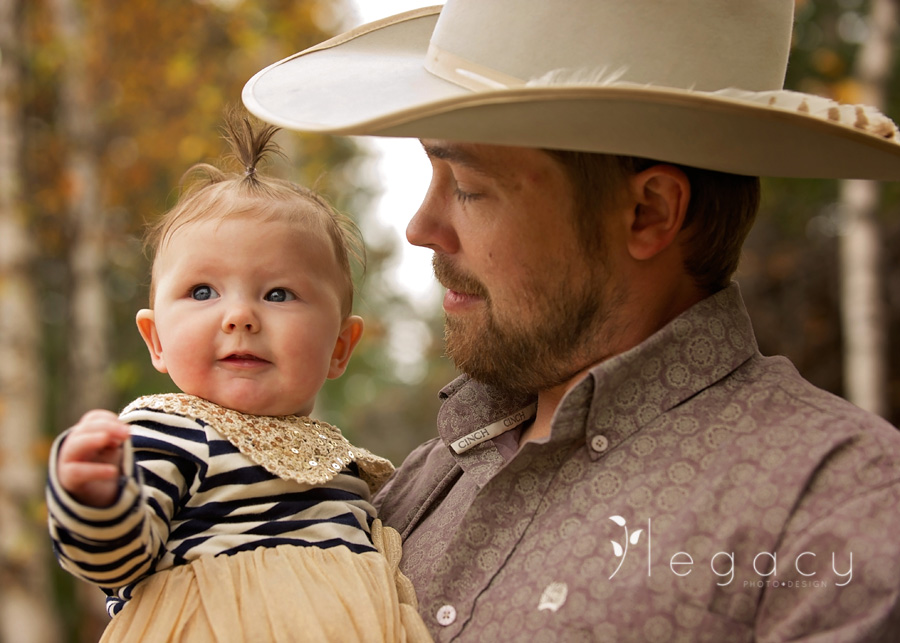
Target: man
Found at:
x=618, y=462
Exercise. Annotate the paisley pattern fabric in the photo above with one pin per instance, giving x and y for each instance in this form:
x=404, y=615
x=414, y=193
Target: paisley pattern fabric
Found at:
x=691, y=490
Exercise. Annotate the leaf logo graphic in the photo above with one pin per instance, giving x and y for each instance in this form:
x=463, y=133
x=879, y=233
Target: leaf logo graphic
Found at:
x=618, y=550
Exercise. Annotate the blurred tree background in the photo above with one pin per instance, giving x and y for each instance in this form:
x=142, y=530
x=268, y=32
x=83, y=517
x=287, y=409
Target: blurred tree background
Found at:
x=103, y=106
x=792, y=270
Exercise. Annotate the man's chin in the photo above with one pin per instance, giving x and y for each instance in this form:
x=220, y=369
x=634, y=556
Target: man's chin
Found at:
x=484, y=363
x=507, y=364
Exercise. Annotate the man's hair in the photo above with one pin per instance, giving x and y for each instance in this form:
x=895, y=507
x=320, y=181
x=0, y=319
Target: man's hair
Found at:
x=719, y=216
x=209, y=193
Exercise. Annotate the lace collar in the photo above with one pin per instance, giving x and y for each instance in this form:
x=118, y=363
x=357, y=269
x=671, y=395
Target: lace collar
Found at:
x=291, y=447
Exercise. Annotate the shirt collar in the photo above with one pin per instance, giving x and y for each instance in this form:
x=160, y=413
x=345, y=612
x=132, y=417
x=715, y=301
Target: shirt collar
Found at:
x=691, y=353
x=470, y=406
x=620, y=395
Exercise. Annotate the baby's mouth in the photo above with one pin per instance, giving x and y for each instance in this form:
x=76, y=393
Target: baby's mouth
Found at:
x=244, y=358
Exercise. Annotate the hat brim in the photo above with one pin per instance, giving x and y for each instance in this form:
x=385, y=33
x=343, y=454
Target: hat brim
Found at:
x=372, y=81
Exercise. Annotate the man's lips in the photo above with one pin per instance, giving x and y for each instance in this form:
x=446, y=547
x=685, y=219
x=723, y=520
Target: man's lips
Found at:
x=463, y=291
x=455, y=301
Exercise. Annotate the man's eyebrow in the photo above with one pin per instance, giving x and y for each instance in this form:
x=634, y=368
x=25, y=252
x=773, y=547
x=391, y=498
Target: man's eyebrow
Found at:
x=453, y=153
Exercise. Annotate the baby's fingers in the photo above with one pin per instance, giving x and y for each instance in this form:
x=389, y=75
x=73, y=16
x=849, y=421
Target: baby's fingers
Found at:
x=88, y=463
x=74, y=475
x=98, y=443
x=101, y=420
x=91, y=483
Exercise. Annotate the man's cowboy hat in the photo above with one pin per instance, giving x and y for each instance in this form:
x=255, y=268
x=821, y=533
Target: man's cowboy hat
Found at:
x=695, y=82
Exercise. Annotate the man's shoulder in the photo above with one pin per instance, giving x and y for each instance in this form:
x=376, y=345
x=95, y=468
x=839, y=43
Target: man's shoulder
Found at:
x=773, y=386
x=838, y=450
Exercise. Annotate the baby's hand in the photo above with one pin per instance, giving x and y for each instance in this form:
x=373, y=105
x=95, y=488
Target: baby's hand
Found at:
x=90, y=458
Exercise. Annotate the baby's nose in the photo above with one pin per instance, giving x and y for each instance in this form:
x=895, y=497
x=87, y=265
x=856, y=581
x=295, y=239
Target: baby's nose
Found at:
x=240, y=317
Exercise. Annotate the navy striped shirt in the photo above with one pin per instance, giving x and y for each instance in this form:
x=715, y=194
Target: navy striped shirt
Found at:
x=189, y=492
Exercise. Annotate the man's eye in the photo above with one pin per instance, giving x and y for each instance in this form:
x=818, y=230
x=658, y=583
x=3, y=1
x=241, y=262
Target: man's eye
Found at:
x=279, y=295
x=203, y=293
x=464, y=197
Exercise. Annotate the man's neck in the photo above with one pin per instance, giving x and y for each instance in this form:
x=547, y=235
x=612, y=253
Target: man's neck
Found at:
x=614, y=343
x=548, y=401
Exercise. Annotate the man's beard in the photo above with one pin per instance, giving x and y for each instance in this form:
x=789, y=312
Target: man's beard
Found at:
x=526, y=356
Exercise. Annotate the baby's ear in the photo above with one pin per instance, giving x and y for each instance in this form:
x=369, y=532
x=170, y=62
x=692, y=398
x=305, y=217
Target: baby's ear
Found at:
x=146, y=324
x=351, y=331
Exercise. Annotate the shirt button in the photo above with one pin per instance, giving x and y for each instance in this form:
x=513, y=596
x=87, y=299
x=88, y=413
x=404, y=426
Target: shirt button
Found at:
x=599, y=443
x=446, y=615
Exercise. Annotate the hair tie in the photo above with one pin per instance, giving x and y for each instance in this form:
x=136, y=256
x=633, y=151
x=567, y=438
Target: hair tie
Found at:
x=250, y=171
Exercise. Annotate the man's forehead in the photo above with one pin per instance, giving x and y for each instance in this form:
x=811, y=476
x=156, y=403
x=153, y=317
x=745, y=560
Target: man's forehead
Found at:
x=493, y=160
x=470, y=155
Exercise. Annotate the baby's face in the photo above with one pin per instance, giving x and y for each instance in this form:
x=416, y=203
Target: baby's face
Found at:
x=247, y=314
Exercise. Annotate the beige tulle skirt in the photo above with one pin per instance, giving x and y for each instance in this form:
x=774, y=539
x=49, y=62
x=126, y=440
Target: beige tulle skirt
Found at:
x=277, y=594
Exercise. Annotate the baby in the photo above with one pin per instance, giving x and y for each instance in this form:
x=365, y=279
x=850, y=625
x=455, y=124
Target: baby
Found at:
x=226, y=513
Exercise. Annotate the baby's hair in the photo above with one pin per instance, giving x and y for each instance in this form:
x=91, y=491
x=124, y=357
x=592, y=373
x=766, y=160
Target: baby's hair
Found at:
x=209, y=193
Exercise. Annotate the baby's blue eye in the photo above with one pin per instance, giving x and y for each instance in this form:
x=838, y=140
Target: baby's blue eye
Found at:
x=203, y=293
x=279, y=295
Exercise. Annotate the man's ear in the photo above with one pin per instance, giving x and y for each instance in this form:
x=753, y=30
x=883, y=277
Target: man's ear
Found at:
x=351, y=331
x=662, y=193
x=146, y=324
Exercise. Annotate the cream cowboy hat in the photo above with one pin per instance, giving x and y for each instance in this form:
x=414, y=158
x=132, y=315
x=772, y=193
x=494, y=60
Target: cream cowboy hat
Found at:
x=695, y=82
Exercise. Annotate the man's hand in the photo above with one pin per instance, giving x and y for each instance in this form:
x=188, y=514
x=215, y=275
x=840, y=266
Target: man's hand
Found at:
x=90, y=458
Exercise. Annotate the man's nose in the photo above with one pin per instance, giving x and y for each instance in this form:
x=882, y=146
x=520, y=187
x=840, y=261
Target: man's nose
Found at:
x=431, y=226
x=240, y=316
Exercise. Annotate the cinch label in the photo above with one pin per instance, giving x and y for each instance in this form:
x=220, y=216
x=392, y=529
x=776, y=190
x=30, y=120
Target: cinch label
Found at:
x=493, y=430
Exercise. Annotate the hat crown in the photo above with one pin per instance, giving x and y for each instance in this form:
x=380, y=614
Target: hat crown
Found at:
x=694, y=82
x=703, y=45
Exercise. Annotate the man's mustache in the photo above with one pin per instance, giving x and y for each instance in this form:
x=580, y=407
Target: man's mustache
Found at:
x=453, y=278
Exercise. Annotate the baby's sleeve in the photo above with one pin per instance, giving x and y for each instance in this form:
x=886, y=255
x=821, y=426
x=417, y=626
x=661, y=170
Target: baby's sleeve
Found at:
x=117, y=545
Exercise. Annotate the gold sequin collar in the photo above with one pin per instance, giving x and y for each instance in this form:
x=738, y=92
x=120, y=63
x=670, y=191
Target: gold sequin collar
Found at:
x=292, y=447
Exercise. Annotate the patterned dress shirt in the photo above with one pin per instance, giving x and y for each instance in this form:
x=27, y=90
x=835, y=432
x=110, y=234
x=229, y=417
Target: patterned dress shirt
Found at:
x=691, y=490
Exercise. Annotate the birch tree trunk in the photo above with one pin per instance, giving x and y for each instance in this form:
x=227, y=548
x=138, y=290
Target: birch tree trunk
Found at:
x=90, y=311
x=26, y=614
x=862, y=298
